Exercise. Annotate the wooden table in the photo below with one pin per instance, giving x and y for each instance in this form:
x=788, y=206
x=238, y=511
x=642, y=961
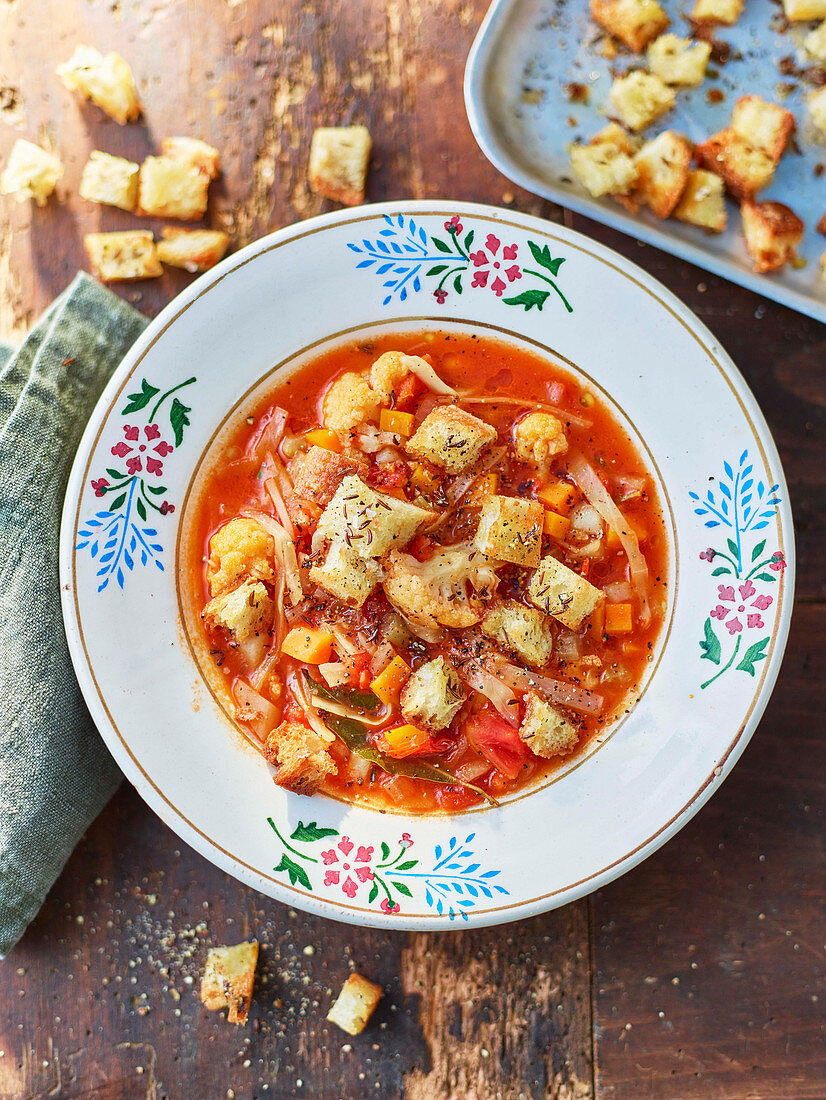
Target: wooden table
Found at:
x=699, y=974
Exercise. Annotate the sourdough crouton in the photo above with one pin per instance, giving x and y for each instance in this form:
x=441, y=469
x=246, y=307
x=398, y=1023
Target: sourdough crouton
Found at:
x=773, y=233
x=817, y=109
x=433, y=695
x=171, y=189
x=763, y=125
x=110, y=180
x=605, y=166
x=107, y=81
x=300, y=757
x=339, y=156
x=349, y=402
x=744, y=169
x=798, y=10
x=446, y=590
x=244, y=611
x=451, y=438
x=240, y=550
x=713, y=12
x=320, y=472
x=345, y=575
x=522, y=630
x=640, y=98
x=369, y=523
x=30, y=173
x=355, y=1004
x=192, y=249
x=663, y=167
x=510, y=529
x=678, y=60
x=559, y=591
x=702, y=202
x=634, y=22
x=195, y=152
x=123, y=256
x=815, y=42
x=545, y=730
x=228, y=979
x=538, y=437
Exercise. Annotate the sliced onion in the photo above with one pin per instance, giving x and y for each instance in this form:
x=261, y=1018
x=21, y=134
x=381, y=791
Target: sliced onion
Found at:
x=556, y=391
x=344, y=644
x=252, y=650
x=285, y=555
x=494, y=689
x=425, y=373
x=618, y=591
x=373, y=721
x=524, y=403
x=270, y=434
x=587, y=520
x=568, y=646
x=387, y=454
x=630, y=486
x=473, y=770
x=557, y=691
x=381, y=659
x=253, y=709
x=335, y=673
x=280, y=506
x=299, y=690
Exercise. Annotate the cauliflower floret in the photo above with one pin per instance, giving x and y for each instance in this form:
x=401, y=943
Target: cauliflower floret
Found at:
x=433, y=695
x=238, y=550
x=390, y=370
x=522, y=629
x=348, y=403
x=538, y=437
x=345, y=575
x=436, y=592
x=369, y=523
x=244, y=611
x=545, y=730
x=300, y=757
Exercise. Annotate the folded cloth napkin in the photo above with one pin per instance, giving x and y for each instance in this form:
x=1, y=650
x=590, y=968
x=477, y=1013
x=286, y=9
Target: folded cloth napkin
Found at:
x=55, y=772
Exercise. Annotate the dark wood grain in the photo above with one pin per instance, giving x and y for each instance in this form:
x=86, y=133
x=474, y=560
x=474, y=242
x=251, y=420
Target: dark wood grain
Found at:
x=712, y=951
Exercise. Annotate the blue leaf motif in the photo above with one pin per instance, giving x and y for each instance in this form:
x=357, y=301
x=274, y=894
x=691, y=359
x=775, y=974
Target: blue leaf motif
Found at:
x=729, y=471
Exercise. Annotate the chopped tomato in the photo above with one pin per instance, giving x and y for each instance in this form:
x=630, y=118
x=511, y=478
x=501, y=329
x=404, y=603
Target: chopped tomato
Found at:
x=498, y=742
x=293, y=712
x=389, y=476
x=421, y=548
x=408, y=391
x=359, y=671
x=454, y=798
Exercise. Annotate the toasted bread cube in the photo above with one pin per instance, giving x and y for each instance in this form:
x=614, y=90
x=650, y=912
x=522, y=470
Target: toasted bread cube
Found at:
x=538, y=438
x=228, y=979
x=245, y=611
x=640, y=98
x=678, y=60
x=798, y=10
x=369, y=523
x=192, y=249
x=320, y=472
x=345, y=575
x=349, y=402
x=520, y=630
x=451, y=438
x=240, y=550
x=815, y=42
x=603, y=169
x=355, y=1004
x=545, y=730
x=433, y=695
x=717, y=12
x=510, y=529
x=663, y=167
x=763, y=125
x=30, y=173
x=559, y=591
x=702, y=202
x=110, y=180
x=744, y=169
x=194, y=152
x=123, y=256
x=634, y=22
x=773, y=233
x=171, y=189
x=817, y=109
x=107, y=81
x=300, y=757
x=339, y=156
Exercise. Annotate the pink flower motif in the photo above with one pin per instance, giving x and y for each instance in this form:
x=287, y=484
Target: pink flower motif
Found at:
x=454, y=225
x=153, y=466
x=497, y=286
x=100, y=486
x=166, y=508
x=345, y=845
x=734, y=626
x=364, y=855
x=331, y=878
x=719, y=612
x=163, y=448
x=364, y=874
x=440, y=294
x=754, y=621
x=726, y=592
x=778, y=561
x=509, y=252
x=349, y=887
x=329, y=857
x=492, y=244
x=121, y=449
x=133, y=465
x=480, y=278
x=405, y=841
x=762, y=603
x=479, y=258
x=707, y=555
x=747, y=590
x=513, y=273
x=388, y=906
x=131, y=432
x=152, y=431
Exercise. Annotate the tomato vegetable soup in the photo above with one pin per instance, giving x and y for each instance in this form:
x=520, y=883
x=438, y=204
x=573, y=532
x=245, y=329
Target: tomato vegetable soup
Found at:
x=426, y=571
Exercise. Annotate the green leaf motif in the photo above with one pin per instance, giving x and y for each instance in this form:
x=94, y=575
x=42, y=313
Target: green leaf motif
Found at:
x=469, y=238
x=732, y=545
x=311, y=832
x=138, y=401
x=529, y=298
x=543, y=258
x=296, y=873
x=758, y=550
x=179, y=420
x=402, y=889
x=408, y=865
x=156, y=489
x=374, y=893
x=753, y=654
x=113, y=507
x=441, y=245
x=437, y=270
x=116, y=474
x=765, y=577
x=710, y=645
x=457, y=284
x=141, y=509
x=720, y=570
x=385, y=851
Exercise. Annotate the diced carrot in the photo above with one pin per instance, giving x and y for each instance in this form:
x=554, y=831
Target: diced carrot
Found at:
x=388, y=684
x=558, y=496
x=619, y=618
x=399, y=423
x=556, y=526
x=424, y=479
x=401, y=741
x=598, y=620
x=484, y=486
x=309, y=644
x=613, y=540
x=323, y=437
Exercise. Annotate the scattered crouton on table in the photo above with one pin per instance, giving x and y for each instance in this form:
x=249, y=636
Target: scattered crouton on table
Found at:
x=355, y=1004
x=123, y=256
x=112, y=181
x=339, y=157
x=30, y=173
x=192, y=249
x=107, y=81
x=228, y=979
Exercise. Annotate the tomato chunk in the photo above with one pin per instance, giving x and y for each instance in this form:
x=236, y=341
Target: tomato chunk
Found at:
x=498, y=742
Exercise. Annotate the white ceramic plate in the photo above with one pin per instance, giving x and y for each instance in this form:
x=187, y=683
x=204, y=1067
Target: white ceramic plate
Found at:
x=398, y=267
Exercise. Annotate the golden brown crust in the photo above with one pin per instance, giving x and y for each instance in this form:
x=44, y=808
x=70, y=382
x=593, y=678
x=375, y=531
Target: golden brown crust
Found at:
x=192, y=249
x=744, y=169
x=355, y=1004
x=300, y=758
x=339, y=158
x=117, y=257
x=702, y=202
x=228, y=979
x=764, y=125
x=322, y=471
x=172, y=189
x=773, y=233
x=634, y=22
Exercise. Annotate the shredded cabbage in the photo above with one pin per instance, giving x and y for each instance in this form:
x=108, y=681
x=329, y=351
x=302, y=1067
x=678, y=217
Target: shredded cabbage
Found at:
x=557, y=691
x=253, y=709
x=492, y=688
x=286, y=558
x=534, y=406
x=425, y=373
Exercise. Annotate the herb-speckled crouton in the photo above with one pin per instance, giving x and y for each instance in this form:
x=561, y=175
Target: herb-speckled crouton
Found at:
x=30, y=173
x=110, y=180
x=510, y=529
x=349, y=402
x=605, y=166
x=538, y=438
x=345, y=575
x=192, y=249
x=817, y=109
x=523, y=630
x=640, y=98
x=195, y=152
x=773, y=234
x=763, y=125
x=172, y=189
x=559, y=591
x=239, y=550
x=663, y=167
x=228, y=979
x=451, y=438
x=799, y=10
x=107, y=81
x=711, y=12
x=744, y=169
x=123, y=257
x=244, y=611
x=355, y=1004
x=678, y=60
x=339, y=157
x=320, y=472
x=545, y=730
x=300, y=757
x=433, y=695
x=369, y=523
x=702, y=202
x=815, y=42
x=634, y=22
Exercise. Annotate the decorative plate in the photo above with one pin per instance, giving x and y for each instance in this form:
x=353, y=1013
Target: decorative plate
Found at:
x=415, y=266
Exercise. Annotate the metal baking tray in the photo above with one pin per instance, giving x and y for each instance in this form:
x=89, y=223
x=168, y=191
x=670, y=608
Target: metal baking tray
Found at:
x=528, y=52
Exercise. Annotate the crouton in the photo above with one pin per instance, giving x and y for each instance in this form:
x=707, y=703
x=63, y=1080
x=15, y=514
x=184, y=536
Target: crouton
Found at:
x=345, y=575
x=349, y=402
x=815, y=42
x=192, y=249
x=678, y=60
x=605, y=166
x=30, y=173
x=714, y=12
x=370, y=523
x=798, y=10
x=538, y=438
x=634, y=22
x=355, y=1004
x=511, y=530
x=391, y=369
x=521, y=630
x=763, y=125
x=640, y=98
x=773, y=233
x=446, y=590
x=433, y=695
x=744, y=169
x=195, y=152
x=702, y=201
x=300, y=757
x=240, y=550
x=123, y=256
x=559, y=591
x=320, y=472
x=244, y=611
x=110, y=180
x=451, y=438
x=817, y=109
x=107, y=81
x=663, y=167
x=545, y=730
x=228, y=979
x=339, y=156
x=172, y=189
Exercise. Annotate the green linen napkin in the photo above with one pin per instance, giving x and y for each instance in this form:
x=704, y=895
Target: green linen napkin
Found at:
x=55, y=772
